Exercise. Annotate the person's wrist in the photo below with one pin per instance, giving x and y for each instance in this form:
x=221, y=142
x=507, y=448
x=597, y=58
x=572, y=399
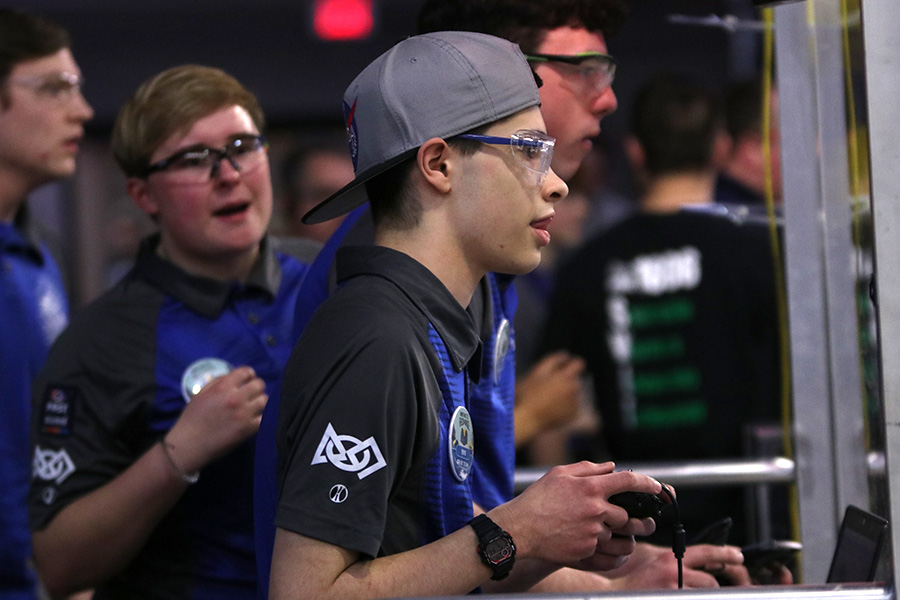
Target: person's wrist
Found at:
x=189, y=476
x=505, y=517
x=495, y=546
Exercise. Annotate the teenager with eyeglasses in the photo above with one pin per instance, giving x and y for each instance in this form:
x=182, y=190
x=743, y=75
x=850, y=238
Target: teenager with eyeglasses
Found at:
x=375, y=431
x=507, y=413
x=42, y=117
x=146, y=411
x=565, y=41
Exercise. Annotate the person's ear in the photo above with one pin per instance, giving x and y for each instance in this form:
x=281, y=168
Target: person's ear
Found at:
x=140, y=193
x=723, y=146
x=434, y=161
x=635, y=152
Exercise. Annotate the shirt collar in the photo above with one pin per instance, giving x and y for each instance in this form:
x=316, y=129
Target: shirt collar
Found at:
x=426, y=292
x=204, y=295
x=13, y=239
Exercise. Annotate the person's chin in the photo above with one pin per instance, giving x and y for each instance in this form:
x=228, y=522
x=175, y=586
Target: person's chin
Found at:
x=566, y=167
x=526, y=266
x=61, y=169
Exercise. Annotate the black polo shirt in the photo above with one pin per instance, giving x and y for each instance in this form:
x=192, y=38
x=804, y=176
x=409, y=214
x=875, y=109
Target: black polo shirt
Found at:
x=358, y=421
x=112, y=387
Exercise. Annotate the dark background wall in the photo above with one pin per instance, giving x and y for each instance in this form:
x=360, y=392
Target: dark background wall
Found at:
x=270, y=46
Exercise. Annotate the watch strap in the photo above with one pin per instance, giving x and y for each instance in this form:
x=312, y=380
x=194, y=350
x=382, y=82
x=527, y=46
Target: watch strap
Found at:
x=488, y=532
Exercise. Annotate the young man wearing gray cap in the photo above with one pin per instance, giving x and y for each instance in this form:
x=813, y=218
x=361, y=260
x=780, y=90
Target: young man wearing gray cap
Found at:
x=374, y=434
x=566, y=44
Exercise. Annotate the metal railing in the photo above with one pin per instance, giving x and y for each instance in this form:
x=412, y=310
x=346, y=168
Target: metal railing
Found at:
x=853, y=591
x=695, y=473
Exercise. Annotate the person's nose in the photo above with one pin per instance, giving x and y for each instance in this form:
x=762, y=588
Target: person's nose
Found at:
x=605, y=103
x=226, y=169
x=553, y=189
x=80, y=109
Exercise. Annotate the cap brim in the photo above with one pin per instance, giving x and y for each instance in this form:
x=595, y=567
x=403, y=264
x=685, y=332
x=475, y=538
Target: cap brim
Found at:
x=351, y=195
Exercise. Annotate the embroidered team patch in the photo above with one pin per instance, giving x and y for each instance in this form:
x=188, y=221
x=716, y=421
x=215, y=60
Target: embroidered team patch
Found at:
x=349, y=453
x=51, y=465
x=57, y=410
x=352, y=132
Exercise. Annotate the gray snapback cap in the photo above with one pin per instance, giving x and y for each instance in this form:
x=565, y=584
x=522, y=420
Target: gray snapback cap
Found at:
x=434, y=85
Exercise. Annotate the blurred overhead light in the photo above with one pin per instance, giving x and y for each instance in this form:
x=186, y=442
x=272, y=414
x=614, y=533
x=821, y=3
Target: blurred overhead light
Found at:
x=343, y=20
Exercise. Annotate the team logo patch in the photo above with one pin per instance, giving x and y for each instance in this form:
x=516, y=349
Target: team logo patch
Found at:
x=348, y=453
x=352, y=134
x=501, y=348
x=461, y=443
x=200, y=373
x=51, y=465
x=49, y=495
x=338, y=493
x=56, y=410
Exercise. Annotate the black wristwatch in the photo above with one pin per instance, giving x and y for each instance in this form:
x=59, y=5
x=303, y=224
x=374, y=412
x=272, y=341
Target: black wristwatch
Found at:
x=495, y=546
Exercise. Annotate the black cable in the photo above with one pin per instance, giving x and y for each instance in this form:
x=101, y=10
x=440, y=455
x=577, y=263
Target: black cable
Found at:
x=679, y=543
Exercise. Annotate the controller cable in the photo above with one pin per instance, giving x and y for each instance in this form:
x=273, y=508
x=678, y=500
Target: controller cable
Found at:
x=679, y=543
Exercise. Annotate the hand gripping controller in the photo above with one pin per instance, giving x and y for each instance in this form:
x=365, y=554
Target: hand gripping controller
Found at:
x=641, y=505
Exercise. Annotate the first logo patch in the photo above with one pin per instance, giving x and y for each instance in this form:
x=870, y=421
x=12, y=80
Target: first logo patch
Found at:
x=461, y=443
x=57, y=410
x=201, y=372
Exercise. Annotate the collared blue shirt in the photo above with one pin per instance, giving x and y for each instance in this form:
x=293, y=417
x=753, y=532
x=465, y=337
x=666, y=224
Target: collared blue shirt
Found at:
x=33, y=310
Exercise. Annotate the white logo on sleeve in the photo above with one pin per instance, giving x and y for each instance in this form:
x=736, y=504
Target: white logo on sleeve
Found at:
x=338, y=493
x=50, y=465
x=348, y=453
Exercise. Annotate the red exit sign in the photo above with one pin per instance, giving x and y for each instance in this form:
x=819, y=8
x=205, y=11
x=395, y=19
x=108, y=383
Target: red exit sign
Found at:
x=343, y=20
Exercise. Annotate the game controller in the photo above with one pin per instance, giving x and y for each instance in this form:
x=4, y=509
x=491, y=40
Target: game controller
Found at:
x=642, y=505
x=639, y=505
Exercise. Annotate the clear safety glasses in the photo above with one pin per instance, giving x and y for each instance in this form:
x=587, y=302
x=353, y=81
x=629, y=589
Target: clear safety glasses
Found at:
x=199, y=164
x=594, y=71
x=531, y=148
x=57, y=87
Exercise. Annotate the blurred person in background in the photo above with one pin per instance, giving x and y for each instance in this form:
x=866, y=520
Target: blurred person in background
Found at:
x=742, y=175
x=42, y=116
x=313, y=170
x=674, y=309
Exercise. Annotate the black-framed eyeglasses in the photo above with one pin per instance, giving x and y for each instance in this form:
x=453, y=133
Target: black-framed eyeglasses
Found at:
x=199, y=164
x=534, y=149
x=595, y=70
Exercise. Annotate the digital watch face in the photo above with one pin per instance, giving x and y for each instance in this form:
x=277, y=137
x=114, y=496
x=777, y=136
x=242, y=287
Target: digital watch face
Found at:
x=498, y=550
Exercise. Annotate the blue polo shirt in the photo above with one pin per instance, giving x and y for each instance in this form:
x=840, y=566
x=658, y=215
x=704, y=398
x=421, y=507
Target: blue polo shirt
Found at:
x=33, y=310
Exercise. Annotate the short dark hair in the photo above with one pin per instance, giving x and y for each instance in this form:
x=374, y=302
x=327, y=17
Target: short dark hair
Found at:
x=743, y=108
x=676, y=121
x=390, y=199
x=330, y=141
x=25, y=37
x=524, y=22
x=389, y=194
